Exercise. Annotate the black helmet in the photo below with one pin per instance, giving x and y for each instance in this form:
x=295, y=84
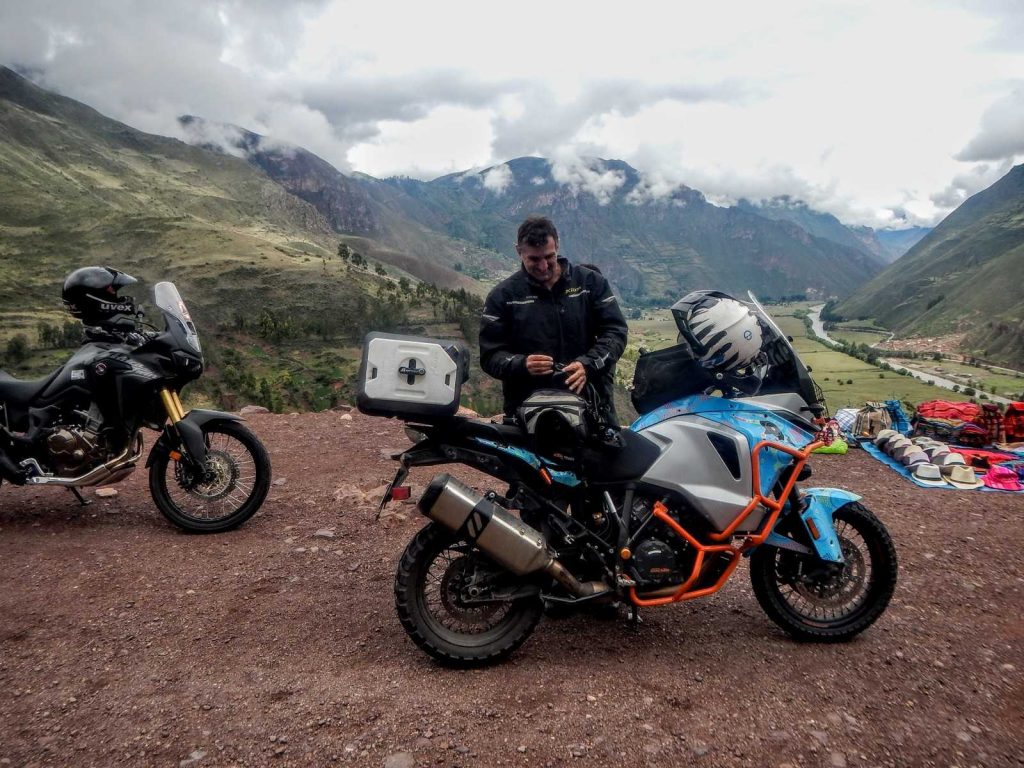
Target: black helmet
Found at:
x=91, y=294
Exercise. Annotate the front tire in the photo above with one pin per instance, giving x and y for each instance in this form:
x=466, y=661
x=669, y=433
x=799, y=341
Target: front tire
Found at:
x=813, y=601
x=237, y=485
x=430, y=593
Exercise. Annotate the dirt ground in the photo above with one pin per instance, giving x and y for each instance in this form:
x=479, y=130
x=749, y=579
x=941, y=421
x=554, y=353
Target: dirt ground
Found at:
x=125, y=642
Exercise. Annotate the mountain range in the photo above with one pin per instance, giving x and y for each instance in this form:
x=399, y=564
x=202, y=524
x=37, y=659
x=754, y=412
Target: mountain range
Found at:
x=652, y=247
x=964, y=276
x=247, y=223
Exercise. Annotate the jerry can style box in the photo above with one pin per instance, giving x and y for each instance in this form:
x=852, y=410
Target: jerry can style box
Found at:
x=411, y=376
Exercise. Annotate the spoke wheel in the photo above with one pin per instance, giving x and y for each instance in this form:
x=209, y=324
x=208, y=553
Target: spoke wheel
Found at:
x=814, y=600
x=441, y=591
x=223, y=494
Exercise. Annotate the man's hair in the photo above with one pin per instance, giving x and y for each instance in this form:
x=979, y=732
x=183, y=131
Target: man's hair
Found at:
x=535, y=232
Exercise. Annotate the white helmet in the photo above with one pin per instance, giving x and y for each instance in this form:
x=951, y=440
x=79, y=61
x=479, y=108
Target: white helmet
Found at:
x=724, y=332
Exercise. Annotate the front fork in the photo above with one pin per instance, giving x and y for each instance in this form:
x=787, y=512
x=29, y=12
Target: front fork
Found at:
x=172, y=404
x=191, y=444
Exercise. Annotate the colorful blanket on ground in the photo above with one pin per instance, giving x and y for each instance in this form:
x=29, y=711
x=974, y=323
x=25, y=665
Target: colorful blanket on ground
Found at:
x=890, y=462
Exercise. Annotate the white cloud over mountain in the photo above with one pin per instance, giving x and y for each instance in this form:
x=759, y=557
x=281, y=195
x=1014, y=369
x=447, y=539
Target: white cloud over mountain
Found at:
x=879, y=113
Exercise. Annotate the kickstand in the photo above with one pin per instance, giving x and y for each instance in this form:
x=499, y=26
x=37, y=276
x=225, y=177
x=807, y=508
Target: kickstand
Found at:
x=83, y=501
x=633, y=616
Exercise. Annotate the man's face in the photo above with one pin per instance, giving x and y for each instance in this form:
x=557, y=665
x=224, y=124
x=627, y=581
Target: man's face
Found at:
x=541, y=262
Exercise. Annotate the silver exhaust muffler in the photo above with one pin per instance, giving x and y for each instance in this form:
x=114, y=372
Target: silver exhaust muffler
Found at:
x=114, y=470
x=498, y=533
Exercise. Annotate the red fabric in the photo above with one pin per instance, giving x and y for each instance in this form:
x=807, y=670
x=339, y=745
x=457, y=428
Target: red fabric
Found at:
x=993, y=422
x=1013, y=422
x=943, y=409
x=983, y=459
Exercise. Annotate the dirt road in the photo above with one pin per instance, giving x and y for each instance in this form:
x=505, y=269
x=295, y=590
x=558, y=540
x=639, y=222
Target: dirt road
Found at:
x=124, y=642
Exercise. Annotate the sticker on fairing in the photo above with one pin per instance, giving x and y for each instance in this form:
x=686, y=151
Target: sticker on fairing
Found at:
x=817, y=513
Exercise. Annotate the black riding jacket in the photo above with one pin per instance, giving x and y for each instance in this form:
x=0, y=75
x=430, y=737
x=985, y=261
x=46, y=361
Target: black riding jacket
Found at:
x=577, y=319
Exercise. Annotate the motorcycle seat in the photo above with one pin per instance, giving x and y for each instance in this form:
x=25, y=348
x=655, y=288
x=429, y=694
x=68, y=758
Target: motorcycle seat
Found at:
x=505, y=434
x=20, y=391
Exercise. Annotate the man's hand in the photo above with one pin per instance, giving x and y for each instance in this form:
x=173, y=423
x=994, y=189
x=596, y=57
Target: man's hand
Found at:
x=576, y=376
x=539, y=365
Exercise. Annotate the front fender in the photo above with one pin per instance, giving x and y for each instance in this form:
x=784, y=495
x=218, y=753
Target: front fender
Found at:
x=188, y=434
x=819, y=504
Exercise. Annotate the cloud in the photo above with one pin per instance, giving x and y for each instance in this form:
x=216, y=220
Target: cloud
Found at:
x=966, y=184
x=498, y=179
x=591, y=177
x=746, y=99
x=1002, y=130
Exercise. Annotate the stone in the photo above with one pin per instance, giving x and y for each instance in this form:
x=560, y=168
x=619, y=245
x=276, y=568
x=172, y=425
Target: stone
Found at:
x=400, y=760
x=820, y=736
x=250, y=409
x=324, y=533
x=280, y=481
x=346, y=417
x=106, y=493
x=837, y=760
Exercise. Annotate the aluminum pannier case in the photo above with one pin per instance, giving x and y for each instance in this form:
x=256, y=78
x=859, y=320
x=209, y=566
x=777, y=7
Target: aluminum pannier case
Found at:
x=411, y=377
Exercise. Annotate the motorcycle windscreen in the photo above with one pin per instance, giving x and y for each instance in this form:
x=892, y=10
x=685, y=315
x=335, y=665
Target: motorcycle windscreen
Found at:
x=785, y=372
x=179, y=321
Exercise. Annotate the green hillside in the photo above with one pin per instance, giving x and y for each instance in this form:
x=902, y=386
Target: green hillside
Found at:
x=964, y=276
x=280, y=313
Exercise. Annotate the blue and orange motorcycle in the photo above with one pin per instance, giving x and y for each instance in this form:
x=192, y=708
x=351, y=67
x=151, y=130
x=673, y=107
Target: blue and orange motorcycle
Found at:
x=653, y=514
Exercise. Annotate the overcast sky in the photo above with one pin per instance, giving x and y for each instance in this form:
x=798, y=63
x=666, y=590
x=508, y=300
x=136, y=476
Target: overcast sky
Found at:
x=883, y=113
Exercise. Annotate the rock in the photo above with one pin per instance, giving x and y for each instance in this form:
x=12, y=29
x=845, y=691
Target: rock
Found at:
x=701, y=749
x=354, y=567
x=343, y=407
x=400, y=760
x=350, y=494
x=106, y=493
x=467, y=412
x=280, y=481
x=820, y=736
x=250, y=409
x=521, y=748
x=346, y=417
x=192, y=759
x=837, y=760
x=324, y=533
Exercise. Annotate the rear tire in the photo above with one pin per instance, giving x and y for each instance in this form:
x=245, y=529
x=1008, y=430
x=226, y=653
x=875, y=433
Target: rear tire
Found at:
x=429, y=601
x=800, y=595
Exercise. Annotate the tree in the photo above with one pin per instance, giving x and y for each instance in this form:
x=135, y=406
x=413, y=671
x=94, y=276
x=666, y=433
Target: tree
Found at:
x=344, y=252
x=17, y=348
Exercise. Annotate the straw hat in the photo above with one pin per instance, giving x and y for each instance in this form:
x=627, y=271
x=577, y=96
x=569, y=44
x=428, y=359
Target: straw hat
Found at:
x=936, y=450
x=907, y=448
x=1002, y=478
x=914, y=457
x=927, y=474
x=895, y=444
x=947, y=461
x=962, y=476
x=884, y=436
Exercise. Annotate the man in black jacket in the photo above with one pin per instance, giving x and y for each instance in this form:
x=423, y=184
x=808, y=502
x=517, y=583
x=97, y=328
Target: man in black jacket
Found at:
x=550, y=312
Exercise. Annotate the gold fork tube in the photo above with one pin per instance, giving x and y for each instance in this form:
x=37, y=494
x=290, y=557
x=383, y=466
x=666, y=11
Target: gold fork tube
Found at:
x=172, y=405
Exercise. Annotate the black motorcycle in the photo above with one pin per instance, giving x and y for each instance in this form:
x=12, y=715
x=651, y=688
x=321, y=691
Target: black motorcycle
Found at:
x=81, y=425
